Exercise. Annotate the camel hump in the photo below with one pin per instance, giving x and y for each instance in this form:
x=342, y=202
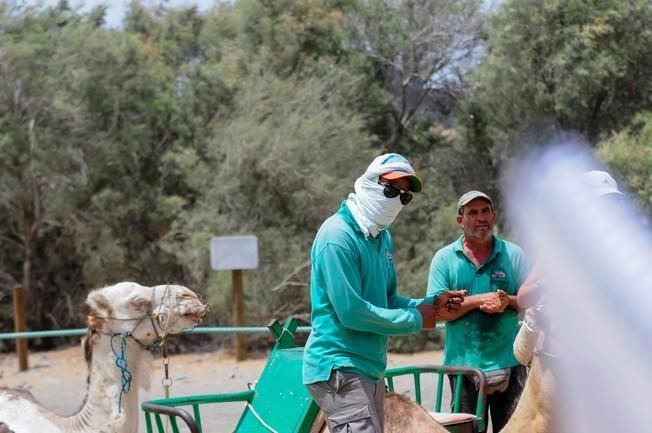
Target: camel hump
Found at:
x=402, y=414
x=393, y=398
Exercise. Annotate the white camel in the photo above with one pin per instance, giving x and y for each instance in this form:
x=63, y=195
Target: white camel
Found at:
x=124, y=321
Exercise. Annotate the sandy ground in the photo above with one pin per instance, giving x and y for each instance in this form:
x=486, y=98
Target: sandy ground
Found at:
x=58, y=380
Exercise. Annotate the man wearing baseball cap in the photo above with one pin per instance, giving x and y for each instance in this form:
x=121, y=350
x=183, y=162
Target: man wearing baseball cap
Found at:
x=355, y=304
x=481, y=332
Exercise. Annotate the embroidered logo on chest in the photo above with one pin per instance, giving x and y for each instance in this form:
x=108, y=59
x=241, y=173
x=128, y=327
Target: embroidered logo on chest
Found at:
x=498, y=274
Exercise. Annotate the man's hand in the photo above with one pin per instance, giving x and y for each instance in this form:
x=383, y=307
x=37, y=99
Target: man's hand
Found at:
x=428, y=315
x=449, y=301
x=495, y=302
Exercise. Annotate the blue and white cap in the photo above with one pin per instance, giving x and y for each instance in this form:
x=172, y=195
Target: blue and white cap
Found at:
x=394, y=166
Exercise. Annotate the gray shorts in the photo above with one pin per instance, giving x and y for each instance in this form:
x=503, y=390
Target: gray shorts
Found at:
x=351, y=403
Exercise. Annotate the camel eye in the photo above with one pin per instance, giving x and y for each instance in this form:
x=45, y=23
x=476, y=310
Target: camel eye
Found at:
x=141, y=304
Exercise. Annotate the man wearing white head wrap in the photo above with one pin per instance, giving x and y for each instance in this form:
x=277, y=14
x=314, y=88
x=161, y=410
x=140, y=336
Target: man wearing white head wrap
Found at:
x=373, y=210
x=355, y=305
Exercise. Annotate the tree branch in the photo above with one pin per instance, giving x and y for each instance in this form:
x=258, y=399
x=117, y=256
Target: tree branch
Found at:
x=286, y=280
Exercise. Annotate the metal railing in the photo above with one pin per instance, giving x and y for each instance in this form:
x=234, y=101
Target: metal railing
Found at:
x=203, y=330
x=82, y=331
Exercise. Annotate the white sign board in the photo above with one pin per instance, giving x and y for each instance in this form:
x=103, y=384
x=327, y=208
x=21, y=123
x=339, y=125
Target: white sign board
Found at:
x=234, y=252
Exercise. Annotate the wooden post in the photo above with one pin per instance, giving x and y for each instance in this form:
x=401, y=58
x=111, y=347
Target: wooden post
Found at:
x=235, y=253
x=20, y=325
x=239, y=341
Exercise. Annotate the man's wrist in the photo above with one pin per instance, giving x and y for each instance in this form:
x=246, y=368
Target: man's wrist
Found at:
x=429, y=300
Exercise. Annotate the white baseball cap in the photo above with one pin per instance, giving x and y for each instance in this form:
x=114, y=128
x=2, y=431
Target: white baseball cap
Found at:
x=600, y=183
x=470, y=196
x=394, y=166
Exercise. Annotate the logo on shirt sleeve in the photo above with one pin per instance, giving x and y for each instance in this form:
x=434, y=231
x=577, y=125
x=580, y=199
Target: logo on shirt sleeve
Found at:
x=389, y=256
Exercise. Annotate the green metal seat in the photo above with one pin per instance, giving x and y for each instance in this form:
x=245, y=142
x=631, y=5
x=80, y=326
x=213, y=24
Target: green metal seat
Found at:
x=454, y=421
x=278, y=403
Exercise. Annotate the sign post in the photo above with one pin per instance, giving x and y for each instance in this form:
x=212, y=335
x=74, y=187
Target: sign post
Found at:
x=236, y=253
x=20, y=325
x=239, y=342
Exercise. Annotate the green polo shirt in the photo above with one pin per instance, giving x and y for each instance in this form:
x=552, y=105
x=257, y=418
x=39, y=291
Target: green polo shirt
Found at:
x=478, y=339
x=355, y=306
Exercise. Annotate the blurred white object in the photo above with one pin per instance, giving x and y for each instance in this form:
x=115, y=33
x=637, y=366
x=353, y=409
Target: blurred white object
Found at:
x=594, y=255
x=600, y=183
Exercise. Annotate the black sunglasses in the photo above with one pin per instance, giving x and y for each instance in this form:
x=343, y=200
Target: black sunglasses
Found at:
x=391, y=191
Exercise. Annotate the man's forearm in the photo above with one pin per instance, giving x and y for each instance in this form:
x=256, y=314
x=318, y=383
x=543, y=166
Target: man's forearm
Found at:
x=470, y=303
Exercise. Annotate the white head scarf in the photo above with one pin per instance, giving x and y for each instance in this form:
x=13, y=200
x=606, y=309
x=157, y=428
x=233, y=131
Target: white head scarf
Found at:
x=370, y=208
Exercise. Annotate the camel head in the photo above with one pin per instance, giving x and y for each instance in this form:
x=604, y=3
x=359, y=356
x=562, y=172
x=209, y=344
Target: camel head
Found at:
x=147, y=314
x=123, y=321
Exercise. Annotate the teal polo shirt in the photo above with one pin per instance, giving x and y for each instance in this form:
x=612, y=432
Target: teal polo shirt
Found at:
x=478, y=339
x=355, y=306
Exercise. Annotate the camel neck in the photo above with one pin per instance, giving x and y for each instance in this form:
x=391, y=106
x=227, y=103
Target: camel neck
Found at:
x=105, y=406
x=533, y=413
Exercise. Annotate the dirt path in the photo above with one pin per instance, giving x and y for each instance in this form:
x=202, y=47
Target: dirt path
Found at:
x=58, y=379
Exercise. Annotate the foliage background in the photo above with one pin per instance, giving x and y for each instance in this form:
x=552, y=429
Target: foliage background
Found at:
x=123, y=150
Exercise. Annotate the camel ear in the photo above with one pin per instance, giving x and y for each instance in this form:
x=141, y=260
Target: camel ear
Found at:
x=88, y=341
x=140, y=304
x=99, y=305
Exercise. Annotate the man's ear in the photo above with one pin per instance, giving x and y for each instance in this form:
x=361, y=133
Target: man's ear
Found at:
x=459, y=221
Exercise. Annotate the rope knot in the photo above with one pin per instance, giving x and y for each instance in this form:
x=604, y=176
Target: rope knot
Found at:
x=121, y=364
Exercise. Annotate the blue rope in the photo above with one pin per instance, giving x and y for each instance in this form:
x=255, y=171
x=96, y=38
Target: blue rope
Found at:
x=121, y=363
